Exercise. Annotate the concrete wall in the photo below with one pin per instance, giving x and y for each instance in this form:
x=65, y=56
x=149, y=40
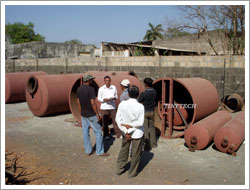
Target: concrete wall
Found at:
x=197, y=42
x=46, y=50
x=227, y=73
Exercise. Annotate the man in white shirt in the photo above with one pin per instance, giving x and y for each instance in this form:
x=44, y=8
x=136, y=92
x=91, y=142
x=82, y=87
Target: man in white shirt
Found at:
x=130, y=119
x=107, y=95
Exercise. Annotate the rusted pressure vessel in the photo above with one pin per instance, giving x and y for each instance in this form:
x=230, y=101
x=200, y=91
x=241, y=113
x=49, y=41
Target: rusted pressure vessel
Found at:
x=116, y=79
x=232, y=103
x=15, y=85
x=177, y=120
x=49, y=94
x=199, y=135
x=197, y=96
x=230, y=136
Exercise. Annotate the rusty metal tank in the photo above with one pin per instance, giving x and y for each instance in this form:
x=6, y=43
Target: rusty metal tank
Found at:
x=116, y=78
x=198, y=97
x=231, y=135
x=49, y=94
x=199, y=135
x=15, y=85
x=232, y=103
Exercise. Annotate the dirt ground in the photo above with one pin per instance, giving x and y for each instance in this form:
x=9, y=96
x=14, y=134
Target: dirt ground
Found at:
x=51, y=151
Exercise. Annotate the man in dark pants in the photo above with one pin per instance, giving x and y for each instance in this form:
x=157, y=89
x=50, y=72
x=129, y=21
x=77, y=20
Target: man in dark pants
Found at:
x=90, y=116
x=147, y=98
x=130, y=118
x=107, y=94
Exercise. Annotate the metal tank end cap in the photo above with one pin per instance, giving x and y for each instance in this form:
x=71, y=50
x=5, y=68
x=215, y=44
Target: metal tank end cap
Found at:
x=32, y=85
x=231, y=149
x=224, y=142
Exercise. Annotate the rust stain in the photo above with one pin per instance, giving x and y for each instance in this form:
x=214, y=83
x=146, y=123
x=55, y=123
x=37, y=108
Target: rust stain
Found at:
x=17, y=119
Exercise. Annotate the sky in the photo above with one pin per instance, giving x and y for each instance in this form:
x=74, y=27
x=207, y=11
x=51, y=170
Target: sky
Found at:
x=91, y=24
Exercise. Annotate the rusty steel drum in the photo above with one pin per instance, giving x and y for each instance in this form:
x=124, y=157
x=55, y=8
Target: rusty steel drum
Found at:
x=15, y=85
x=232, y=103
x=49, y=94
x=230, y=136
x=176, y=117
x=199, y=135
x=116, y=78
x=198, y=94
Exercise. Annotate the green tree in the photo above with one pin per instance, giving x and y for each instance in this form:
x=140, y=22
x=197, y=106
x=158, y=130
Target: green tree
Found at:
x=175, y=32
x=230, y=19
x=74, y=41
x=154, y=32
x=140, y=51
x=20, y=33
x=227, y=19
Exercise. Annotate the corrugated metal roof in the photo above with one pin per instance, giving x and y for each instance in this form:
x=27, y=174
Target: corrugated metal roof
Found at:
x=150, y=46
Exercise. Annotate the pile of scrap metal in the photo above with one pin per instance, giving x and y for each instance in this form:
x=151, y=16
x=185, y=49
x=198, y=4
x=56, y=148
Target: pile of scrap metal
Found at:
x=14, y=175
x=233, y=103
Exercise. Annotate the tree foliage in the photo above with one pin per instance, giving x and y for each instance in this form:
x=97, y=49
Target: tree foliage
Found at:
x=139, y=51
x=20, y=33
x=196, y=18
x=154, y=33
x=175, y=32
x=230, y=19
x=74, y=41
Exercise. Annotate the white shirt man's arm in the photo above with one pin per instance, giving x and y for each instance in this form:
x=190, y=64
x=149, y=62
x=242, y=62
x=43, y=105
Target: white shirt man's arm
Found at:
x=114, y=95
x=138, y=122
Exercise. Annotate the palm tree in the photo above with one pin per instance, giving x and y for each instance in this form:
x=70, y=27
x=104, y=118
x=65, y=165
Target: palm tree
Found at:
x=154, y=32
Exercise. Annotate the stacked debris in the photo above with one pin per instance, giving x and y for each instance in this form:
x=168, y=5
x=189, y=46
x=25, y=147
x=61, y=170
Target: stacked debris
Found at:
x=14, y=175
x=232, y=103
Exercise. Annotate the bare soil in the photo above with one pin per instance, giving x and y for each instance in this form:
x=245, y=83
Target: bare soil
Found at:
x=51, y=151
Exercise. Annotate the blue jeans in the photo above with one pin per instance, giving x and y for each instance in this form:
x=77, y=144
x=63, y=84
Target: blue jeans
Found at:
x=92, y=121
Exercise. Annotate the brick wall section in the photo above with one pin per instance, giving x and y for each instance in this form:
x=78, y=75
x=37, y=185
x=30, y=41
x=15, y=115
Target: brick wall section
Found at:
x=32, y=50
x=216, y=69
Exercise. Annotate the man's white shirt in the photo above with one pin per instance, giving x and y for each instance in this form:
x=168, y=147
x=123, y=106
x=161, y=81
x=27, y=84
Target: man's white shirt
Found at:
x=131, y=112
x=105, y=92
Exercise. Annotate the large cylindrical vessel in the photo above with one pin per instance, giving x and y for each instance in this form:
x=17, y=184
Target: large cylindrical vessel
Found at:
x=230, y=136
x=49, y=94
x=15, y=85
x=195, y=97
x=116, y=78
x=199, y=135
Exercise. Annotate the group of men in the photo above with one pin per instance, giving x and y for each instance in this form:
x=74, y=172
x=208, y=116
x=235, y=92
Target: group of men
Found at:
x=133, y=120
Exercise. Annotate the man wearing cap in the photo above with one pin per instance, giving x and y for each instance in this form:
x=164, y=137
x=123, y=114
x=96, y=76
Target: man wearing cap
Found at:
x=107, y=94
x=90, y=116
x=124, y=86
